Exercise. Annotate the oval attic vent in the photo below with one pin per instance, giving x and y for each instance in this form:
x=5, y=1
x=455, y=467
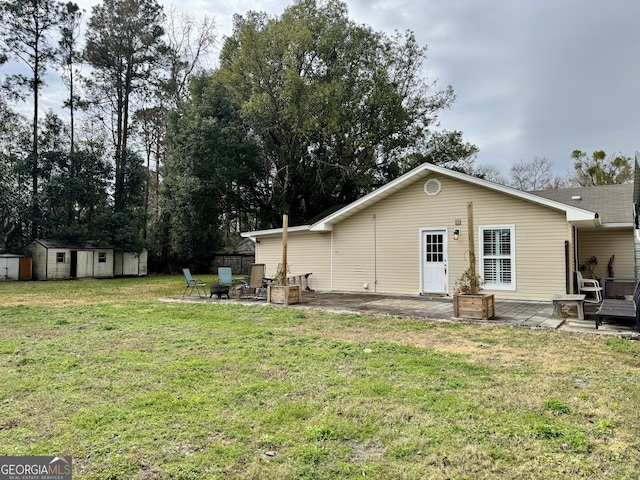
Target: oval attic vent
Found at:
x=432, y=187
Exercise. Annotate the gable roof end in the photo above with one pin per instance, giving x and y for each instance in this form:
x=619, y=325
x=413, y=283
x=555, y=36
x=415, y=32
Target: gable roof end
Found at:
x=573, y=214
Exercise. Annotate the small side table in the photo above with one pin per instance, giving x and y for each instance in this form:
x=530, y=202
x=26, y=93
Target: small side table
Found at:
x=569, y=299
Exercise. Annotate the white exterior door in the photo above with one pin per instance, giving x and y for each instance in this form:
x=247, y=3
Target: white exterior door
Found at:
x=433, y=246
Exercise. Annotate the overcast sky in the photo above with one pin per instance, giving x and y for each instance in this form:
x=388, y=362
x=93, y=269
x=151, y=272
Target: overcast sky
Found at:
x=532, y=77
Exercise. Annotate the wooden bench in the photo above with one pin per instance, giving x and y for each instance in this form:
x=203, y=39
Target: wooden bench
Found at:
x=614, y=308
x=575, y=299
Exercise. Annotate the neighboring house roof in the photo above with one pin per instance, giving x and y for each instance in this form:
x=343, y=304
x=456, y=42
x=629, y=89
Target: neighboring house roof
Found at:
x=246, y=246
x=573, y=213
x=614, y=203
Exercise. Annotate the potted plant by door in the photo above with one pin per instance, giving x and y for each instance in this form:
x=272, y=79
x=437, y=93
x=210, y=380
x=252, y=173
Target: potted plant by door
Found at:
x=468, y=302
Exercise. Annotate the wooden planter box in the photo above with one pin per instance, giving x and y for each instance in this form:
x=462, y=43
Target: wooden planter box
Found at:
x=283, y=294
x=474, y=306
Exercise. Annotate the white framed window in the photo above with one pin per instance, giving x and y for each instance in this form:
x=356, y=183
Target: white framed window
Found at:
x=102, y=257
x=60, y=257
x=498, y=257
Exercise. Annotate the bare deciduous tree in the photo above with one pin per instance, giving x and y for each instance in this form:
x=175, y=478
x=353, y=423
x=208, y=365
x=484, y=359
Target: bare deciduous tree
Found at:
x=534, y=175
x=191, y=41
x=489, y=172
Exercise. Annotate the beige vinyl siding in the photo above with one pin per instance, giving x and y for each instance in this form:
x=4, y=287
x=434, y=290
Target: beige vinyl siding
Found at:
x=307, y=252
x=636, y=243
x=353, y=253
x=540, y=233
x=602, y=243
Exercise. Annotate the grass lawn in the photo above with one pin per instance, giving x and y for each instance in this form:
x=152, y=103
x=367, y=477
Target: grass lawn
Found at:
x=134, y=388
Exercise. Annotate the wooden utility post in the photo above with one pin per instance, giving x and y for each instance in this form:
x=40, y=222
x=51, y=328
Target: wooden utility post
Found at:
x=472, y=247
x=285, y=226
x=473, y=305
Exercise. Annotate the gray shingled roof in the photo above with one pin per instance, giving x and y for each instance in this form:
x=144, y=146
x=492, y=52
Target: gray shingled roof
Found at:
x=613, y=203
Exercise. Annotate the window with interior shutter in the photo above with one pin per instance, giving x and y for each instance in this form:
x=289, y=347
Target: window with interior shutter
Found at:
x=497, y=257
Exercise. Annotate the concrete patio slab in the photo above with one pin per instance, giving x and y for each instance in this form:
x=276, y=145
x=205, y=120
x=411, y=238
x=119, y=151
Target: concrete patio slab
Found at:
x=508, y=312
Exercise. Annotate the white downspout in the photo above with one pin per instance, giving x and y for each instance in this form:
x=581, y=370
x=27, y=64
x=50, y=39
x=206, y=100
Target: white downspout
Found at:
x=636, y=221
x=375, y=255
x=331, y=262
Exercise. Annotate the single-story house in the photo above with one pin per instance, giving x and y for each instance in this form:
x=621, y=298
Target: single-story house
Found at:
x=411, y=237
x=15, y=267
x=56, y=261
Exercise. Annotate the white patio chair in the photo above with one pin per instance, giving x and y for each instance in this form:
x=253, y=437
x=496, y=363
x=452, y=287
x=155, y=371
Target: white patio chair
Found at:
x=590, y=285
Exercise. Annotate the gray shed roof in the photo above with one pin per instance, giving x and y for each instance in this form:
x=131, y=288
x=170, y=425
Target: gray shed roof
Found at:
x=612, y=203
x=60, y=245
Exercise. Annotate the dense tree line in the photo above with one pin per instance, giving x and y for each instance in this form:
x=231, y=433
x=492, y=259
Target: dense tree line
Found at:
x=150, y=147
x=91, y=173
x=306, y=110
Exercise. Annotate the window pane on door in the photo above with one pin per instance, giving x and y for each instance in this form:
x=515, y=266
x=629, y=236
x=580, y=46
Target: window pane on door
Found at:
x=434, y=248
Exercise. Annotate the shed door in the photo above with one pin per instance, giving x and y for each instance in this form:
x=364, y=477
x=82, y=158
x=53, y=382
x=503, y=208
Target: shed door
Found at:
x=130, y=263
x=25, y=268
x=84, y=264
x=13, y=268
x=434, y=261
x=4, y=268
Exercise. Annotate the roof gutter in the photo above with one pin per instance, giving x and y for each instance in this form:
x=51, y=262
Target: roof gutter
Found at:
x=273, y=231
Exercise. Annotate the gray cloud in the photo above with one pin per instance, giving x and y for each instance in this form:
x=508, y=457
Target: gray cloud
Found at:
x=532, y=77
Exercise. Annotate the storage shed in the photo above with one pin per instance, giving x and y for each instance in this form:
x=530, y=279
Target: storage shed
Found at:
x=56, y=261
x=15, y=267
x=51, y=261
x=130, y=263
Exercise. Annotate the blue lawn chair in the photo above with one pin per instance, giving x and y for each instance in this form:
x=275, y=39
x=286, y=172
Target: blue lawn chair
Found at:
x=225, y=281
x=225, y=277
x=193, y=284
